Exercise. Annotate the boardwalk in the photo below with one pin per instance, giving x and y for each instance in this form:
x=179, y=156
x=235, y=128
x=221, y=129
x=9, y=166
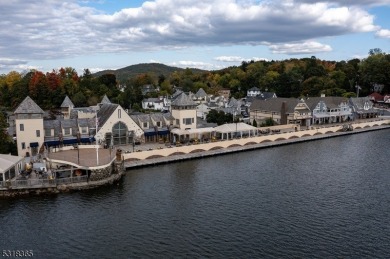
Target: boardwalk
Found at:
x=169, y=159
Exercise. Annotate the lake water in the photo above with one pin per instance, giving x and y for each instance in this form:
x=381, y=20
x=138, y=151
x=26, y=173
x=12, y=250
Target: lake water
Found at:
x=321, y=199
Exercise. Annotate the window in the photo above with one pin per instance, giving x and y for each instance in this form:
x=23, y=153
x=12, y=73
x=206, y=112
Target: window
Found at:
x=84, y=130
x=47, y=132
x=21, y=126
x=120, y=134
x=177, y=122
x=23, y=145
x=188, y=121
x=36, y=116
x=38, y=132
x=145, y=124
x=159, y=124
x=119, y=114
x=67, y=131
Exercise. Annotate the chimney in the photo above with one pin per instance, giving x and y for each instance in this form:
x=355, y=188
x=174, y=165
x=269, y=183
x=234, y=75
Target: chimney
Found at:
x=283, y=114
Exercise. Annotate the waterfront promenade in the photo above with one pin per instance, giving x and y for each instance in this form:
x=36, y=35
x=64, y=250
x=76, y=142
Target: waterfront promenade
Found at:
x=165, y=155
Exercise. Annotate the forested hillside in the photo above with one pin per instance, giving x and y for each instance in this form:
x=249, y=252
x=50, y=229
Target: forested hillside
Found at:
x=288, y=78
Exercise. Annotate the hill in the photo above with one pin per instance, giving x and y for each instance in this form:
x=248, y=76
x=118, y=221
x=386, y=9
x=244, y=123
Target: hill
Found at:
x=156, y=69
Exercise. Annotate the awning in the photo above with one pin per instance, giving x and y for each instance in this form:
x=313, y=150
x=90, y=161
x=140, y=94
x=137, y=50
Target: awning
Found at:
x=52, y=143
x=150, y=133
x=70, y=141
x=87, y=140
x=179, y=131
x=163, y=132
x=34, y=144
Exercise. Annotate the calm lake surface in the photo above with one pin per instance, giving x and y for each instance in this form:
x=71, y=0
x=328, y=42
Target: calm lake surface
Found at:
x=321, y=199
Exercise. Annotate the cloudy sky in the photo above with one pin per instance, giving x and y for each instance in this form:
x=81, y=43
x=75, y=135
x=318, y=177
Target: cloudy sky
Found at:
x=207, y=34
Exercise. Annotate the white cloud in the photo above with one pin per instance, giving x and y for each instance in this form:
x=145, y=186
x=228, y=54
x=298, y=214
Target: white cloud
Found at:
x=236, y=59
x=383, y=33
x=229, y=58
x=67, y=29
x=300, y=48
x=195, y=64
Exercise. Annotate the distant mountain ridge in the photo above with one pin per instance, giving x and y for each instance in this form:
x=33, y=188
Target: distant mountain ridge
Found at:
x=122, y=74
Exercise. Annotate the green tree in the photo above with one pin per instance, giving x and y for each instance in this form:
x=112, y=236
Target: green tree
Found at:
x=6, y=143
x=254, y=124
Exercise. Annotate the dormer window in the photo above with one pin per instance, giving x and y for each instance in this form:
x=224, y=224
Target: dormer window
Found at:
x=67, y=131
x=145, y=125
x=84, y=130
x=47, y=132
x=158, y=124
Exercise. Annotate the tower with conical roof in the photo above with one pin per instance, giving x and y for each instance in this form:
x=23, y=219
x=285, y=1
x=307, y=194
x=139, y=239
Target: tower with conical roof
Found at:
x=66, y=107
x=29, y=127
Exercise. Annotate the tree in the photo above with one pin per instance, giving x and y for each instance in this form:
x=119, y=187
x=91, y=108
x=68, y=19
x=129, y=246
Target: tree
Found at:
x=254, y=124
x=79, y=99
x=268, y=122
x=6, y=143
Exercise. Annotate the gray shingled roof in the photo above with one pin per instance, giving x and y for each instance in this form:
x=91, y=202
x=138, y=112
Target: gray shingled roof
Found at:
x=357, y=104
x=105, y=112
x=28, y=106
x=53, y=124
x=183, y=100
x=105, y=99
x=168, y=116
x=331, y=102
x=274, y=104
x=67, y=103
x=200, y=93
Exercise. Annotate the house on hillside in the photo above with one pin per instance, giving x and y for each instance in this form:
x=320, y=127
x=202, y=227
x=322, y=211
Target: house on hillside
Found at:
x=157, y=104
x=254, y=91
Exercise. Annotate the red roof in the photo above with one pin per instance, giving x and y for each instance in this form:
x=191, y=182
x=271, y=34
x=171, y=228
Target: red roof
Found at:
x=376, y=97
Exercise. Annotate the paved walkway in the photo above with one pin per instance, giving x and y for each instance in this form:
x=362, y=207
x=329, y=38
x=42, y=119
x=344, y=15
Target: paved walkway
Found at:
x=169, y=159
x=85, y=156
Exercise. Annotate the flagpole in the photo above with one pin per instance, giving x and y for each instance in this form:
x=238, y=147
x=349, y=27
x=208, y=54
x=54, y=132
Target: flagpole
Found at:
x=97, y=147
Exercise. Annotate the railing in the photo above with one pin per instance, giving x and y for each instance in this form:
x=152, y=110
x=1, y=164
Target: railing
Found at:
x=40, y=183
x=76, y=179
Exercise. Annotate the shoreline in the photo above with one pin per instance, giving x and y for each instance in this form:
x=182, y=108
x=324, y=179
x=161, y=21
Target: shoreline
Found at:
x=222, y=151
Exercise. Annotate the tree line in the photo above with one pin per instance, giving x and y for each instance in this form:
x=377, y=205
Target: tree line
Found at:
x=287, y=78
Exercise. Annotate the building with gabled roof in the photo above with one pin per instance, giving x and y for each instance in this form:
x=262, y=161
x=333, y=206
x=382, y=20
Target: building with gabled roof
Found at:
x=116, y=127
x=362, y=108
x=10, y=166
x=329, y=109
x=281, y=110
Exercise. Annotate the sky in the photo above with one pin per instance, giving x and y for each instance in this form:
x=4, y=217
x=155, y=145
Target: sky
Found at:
x=111, y=34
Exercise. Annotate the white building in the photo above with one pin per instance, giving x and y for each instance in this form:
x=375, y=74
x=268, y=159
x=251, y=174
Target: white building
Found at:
x=183, y=109
x=29, y=127
x=254, y=91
